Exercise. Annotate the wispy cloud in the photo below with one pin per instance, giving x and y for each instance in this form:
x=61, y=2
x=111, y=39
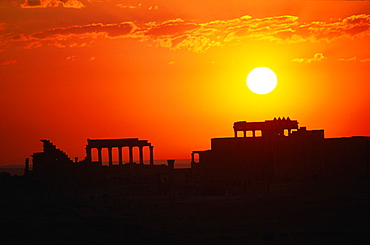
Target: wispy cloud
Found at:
x=128, y=6
x=316, y=58
x=9, y=62
x=199, y=37
x=74, y=36
x=108, y=30
x=33, y=45
x=287, y=29
x=351, y=27
x=348, y=59
x=71, y=58
x=355, y=59
x=52, y=3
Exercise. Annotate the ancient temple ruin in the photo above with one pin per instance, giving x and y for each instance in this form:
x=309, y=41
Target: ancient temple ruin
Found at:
x=269, y=151
x=53, y=168
x=130, y=143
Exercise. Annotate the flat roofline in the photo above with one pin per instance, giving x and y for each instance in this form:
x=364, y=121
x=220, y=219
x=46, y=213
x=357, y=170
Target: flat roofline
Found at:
x=350, y=137
x=117, y=139
x=124, y=142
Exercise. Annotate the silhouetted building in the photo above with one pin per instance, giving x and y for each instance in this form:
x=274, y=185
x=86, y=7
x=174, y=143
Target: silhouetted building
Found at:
x=270, y=151
x=55, y=170
x=278, y=150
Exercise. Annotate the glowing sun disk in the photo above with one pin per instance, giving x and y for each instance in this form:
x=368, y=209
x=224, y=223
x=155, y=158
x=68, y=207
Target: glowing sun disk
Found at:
x=261, y=80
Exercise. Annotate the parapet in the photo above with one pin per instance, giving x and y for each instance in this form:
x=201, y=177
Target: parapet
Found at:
x=268, y=128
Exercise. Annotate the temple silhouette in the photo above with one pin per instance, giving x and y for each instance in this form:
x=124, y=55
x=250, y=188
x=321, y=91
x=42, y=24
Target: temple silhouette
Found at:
x=54, y=168
x=271, y=151
x=270, y=182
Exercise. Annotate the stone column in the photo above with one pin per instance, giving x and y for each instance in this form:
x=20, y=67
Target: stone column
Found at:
x=235, y=133
x=151, y=153
x=27, y=165
x=254, y=133
x=120, y=155
x=100, y=158
x=110, y=158
x=141, y=155
x=192, y=157
x=245, y=133
x=171, y=181
x=88, y=154
x=131, y=154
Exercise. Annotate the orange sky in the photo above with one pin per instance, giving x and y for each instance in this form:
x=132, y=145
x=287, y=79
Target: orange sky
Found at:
x=173, y=72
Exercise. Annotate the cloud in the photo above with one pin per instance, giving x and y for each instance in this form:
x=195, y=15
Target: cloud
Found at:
x=108, y=30
x=316, y=58
x=71, y=58
x=33, y=45
x=269, y=29
x=177, y=34
x=287, y=29
x=347, y=59
x=350, y=27
x=128, y=6
x=153, y=7
x=169, y=28
x=52, y=3
x=200, y=36
x=355, y=59
x=9, y=62
x=73, y=36
x=81, y=36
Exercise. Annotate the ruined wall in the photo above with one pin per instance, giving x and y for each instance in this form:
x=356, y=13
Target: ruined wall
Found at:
x=302, y=156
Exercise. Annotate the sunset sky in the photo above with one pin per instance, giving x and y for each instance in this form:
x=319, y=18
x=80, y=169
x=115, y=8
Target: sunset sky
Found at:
x=173, y=72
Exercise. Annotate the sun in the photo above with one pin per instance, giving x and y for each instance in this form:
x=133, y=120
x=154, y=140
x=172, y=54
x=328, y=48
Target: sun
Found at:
x=261, y=80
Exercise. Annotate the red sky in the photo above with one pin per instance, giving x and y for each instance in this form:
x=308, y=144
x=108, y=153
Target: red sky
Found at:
x=173, y=72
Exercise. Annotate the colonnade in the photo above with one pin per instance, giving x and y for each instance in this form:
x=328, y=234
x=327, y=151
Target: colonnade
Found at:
x=119, y=144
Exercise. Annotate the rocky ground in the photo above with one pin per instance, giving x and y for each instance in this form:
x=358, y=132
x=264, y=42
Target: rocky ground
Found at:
x=290, y=213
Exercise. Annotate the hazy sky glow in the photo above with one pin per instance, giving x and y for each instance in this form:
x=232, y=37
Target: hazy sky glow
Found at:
x=173, y=72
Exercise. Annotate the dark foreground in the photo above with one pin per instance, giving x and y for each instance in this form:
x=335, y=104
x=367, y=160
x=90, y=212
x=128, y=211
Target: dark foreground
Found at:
x=289, y=213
